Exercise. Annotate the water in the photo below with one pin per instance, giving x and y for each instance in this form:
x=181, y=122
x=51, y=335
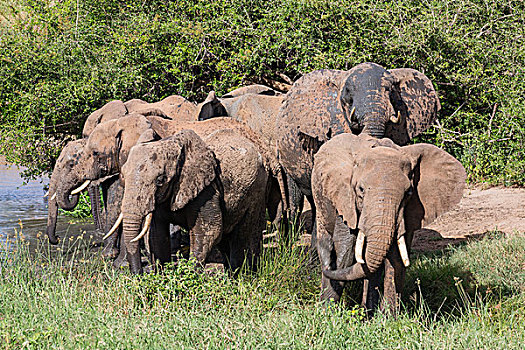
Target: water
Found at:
x=24, y=209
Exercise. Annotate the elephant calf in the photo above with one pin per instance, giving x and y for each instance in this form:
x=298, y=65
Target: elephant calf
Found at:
x=215, y=187
x=383, y=193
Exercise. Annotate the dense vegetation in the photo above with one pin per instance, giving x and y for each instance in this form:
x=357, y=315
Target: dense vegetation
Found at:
x=60, y=60
x=72, y=299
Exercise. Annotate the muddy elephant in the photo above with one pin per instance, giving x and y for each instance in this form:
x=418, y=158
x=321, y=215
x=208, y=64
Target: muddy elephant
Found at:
x=258, y=107
x=214, y=187
x=371, y=195
x=397, y=103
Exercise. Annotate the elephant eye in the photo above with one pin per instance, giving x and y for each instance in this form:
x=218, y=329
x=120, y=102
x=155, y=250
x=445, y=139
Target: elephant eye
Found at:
x=160, y=180
x=71, y=163
x=360, y=190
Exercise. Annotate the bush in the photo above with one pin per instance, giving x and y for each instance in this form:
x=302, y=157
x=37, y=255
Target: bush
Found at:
x=59, y=61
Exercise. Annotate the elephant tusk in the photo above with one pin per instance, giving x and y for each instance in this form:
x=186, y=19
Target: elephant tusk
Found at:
x=115, y=227
x=403, y=250
x=395, y=119
x=47, y=194
x=352, y=113
x=53, y=197
x=359, y=245
x=82, y=187
x=147, y=223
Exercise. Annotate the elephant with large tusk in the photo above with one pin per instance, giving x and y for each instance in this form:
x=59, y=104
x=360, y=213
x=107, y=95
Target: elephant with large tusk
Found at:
x=215, y=187
x=383, y=193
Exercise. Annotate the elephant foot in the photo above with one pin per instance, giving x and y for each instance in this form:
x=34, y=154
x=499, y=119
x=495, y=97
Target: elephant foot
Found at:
x=120, y=262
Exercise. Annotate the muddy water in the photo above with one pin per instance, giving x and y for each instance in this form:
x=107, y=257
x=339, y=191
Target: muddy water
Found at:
x=24, y=210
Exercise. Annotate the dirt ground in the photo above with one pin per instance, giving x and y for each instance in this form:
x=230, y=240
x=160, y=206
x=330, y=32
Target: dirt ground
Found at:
x=480, y=211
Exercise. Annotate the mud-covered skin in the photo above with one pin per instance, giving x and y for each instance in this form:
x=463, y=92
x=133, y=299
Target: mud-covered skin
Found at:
x=215, y=188
x=172, y=107
x=384, y=191
x=258, y=107
x=108, y=146
x=325, y=103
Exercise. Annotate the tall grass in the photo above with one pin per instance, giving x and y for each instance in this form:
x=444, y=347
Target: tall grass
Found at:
x=73, y=299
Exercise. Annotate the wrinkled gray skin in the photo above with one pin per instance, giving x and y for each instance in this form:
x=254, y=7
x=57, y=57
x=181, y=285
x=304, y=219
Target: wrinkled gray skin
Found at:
x=320, y=104
x=384, y=191
x=215, y=188
x=108, y=146
x=65, y=162
x=257, y=106
x=172, y=107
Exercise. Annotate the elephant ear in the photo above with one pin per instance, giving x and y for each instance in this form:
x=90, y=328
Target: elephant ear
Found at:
x=334, y=166
x=210, y=108
x=417, y=102
x=312, y=108
x=197, y=165
x=438, y=180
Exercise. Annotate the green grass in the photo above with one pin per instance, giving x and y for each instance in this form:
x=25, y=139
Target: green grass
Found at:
x=73, y=299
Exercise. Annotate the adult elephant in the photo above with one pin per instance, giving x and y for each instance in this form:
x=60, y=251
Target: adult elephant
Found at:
x=258, y=107
x=383, y=193
x=398, y=104
x=172, y=107
x=214, y=187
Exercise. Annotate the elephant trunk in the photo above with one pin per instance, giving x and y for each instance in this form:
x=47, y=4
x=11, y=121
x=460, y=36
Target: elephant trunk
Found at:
x=52, y=213
x=131, y=226
x=94, y=196
x=64, y=202
x=374, y=127
x=379, y=239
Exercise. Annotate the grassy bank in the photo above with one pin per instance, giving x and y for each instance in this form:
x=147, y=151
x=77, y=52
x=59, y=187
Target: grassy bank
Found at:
x=470, y=297
x=60, y=60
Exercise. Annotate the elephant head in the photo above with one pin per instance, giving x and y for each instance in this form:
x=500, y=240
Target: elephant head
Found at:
x=106, y=149
x=397, y=103
x=111, y=110
x=384, y=191
x=67, y=160
x=171, y=172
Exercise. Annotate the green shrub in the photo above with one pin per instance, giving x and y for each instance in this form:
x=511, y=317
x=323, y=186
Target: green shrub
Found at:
x=59, y=61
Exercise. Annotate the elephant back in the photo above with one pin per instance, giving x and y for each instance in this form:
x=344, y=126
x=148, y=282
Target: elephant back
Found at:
x=259, y=112
x=111, y=110
x=242, y=171
x=257, y=89
x=172, y=107
x=310, y=115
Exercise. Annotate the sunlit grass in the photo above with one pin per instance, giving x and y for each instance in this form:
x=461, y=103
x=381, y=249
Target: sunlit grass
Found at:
x=72, y=298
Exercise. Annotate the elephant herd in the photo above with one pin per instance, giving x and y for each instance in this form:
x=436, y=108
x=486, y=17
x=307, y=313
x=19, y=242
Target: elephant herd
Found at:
x=218, y=168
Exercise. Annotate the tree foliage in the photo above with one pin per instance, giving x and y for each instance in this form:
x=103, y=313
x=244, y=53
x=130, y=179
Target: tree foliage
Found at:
x=60, y=60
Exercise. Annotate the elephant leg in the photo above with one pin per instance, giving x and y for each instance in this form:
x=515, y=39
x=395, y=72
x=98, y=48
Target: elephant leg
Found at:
x=246, y=239
x=343, y=255
x=296, y=198
x=371, y=292
x=394, y=281
x=313, y=236
x=114, y=193
x=159, y=240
